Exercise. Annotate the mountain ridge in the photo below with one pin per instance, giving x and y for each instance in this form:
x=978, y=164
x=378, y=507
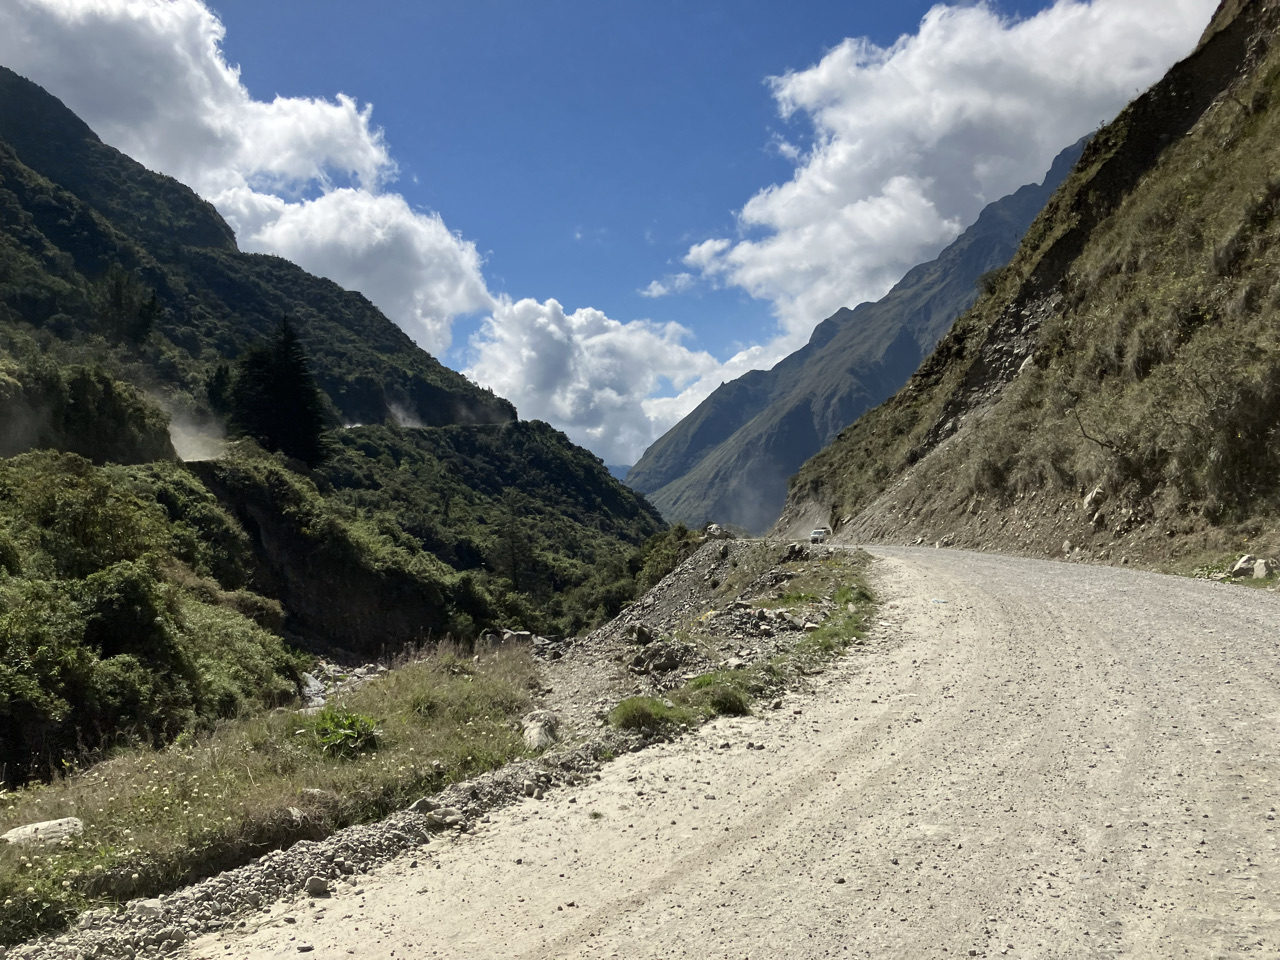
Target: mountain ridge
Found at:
x=98, y=207
x=1115, y=390
x=730, y=459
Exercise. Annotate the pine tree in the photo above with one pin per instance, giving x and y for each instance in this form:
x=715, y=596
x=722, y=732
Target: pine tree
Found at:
x=276, y=401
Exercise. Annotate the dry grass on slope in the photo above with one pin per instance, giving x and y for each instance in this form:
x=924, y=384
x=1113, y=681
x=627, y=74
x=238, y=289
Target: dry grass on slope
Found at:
x=1155, y=378
x=154, y=820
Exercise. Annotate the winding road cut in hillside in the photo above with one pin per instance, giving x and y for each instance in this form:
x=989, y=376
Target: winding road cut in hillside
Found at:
x=1054, y=761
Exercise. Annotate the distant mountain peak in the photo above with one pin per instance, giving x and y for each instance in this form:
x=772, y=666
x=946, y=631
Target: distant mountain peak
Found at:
x=730, y=459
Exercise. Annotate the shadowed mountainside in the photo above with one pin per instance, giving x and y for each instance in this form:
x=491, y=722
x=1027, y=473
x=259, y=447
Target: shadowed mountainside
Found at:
x=1117, y=393
x=730, y=459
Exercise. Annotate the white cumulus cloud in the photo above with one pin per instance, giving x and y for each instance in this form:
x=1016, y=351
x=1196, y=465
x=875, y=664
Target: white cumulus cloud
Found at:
x=910, y=141
x=297, y=176
x=585, y=373
x=672, y=283
x=896, y=150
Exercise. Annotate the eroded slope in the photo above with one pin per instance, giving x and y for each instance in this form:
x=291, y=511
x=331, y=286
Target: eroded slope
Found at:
x=1116, y=392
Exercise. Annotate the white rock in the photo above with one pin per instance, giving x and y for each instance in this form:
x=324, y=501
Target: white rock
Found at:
x=540, y=729
x=47, y=831
x=1244, y=566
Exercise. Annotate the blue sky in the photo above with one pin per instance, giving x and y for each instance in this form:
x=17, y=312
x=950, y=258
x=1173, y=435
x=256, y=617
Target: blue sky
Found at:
x=600, y=210
x=584, y=146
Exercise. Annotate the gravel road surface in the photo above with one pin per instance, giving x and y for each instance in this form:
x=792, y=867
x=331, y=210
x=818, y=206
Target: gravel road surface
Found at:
x=1053, y=761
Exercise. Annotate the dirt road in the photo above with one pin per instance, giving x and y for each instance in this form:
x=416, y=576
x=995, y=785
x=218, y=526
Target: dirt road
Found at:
x=1055, y=761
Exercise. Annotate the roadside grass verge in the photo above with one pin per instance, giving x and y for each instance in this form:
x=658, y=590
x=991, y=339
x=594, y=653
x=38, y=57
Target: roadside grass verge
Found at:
x=155, y=820
x=732, y=692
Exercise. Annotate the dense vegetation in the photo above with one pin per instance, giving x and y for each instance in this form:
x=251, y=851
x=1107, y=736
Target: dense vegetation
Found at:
x=123, y=613
x=1131, y=347
x=140, y=599
x=543, y=535
x=274, y=398
x=48, y=405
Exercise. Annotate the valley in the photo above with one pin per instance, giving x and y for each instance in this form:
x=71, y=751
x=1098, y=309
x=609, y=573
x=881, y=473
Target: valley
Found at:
x=311, y=646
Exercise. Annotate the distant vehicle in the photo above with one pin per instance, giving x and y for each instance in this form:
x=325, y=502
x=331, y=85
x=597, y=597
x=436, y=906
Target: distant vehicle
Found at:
x=819, y=535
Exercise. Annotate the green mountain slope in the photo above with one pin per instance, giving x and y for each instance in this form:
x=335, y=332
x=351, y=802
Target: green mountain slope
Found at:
x=1118, y=392
x=730, y=459
x=141, y=598
x=73, y=209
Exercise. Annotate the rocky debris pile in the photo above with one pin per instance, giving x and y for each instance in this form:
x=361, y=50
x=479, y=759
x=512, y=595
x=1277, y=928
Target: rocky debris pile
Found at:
x=681, y=596
x=328, y=680
x=661, y=659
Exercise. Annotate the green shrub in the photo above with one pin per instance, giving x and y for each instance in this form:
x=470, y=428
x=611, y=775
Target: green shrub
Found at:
x=724, y=700
x=648, y=714
x=341, y=732
x=107, y=637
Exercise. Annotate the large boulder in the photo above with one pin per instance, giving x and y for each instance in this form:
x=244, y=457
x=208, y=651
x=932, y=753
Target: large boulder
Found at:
x=47, y=831
x=1244, y=566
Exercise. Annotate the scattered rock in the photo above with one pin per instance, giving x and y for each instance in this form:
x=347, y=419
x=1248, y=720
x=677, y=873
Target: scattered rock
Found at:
x=1244, y=566
x=424, y=805
x=1263, y=569
x=46, y=831
x=316, y=887
x=639, y=633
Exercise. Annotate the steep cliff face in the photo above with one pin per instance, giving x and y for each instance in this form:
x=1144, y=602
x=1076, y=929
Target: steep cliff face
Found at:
x=731, y=458
x=1115, y=394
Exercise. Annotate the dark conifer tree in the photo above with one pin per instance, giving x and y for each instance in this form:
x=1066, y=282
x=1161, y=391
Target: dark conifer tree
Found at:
x=276, y=401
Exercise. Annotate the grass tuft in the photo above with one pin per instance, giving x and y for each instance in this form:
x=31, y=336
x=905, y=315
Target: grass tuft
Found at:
x=648, y=714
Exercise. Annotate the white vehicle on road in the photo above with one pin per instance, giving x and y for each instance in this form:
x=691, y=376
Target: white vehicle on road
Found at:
x=819, y=535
